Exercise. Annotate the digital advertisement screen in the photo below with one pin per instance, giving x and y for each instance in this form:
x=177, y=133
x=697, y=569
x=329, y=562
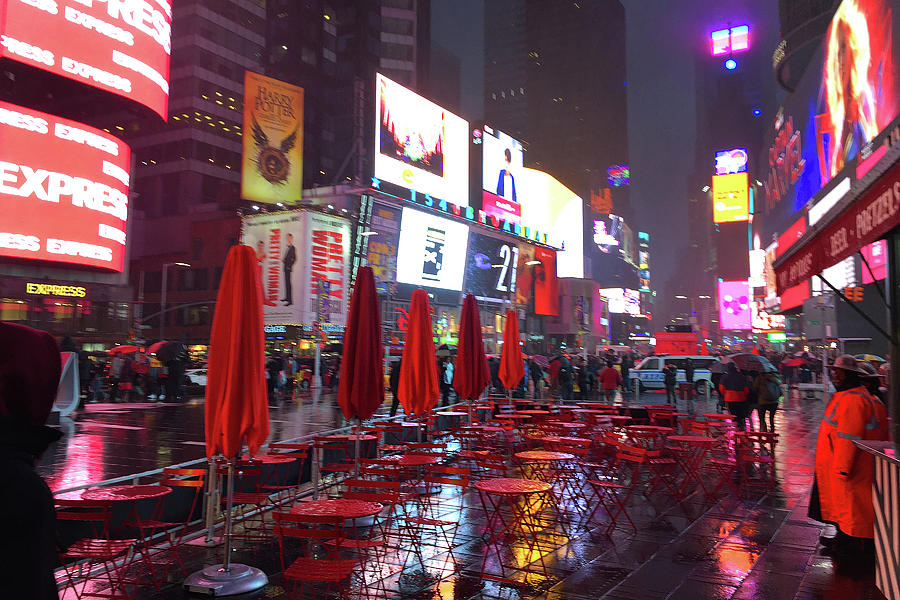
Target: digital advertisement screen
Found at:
x=63, y=190
x=618, y=175
x=382, y=247
x=846, y=100
x=735, y=312
x=119, y=46
x=726, y=41
x=876, y=255
x=731, y=198
x=536, y=282
x=432, y=250
x=622, y=300
x=419, y=145
x=491, y=267
x=731, y=161
x=272, y=151
x=608, y=232
x=503, y=159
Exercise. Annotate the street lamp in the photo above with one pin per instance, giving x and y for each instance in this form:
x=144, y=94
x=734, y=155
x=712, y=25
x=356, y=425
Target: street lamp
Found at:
x=162, y=302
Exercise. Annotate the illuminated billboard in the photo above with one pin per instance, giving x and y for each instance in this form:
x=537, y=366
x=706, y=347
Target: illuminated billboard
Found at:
x=272, y=157
x=608, y=232
x=731, y=198
x=876, y=257
x=121, y=47
x=731, y=161
x=419, y=145
x=63, y=190
x=432, y=250
x=735, y=312
x=622, y=301
x=618, y=175
x=491, y=267
x=537, y=285
x=844, y=105
x=295, y=250
x=726, y=41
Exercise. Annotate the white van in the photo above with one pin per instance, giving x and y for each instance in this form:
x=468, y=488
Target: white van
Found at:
x=648, y=374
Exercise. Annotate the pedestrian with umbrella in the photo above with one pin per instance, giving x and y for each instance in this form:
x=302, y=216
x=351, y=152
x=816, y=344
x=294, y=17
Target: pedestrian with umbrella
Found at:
x=236, y=407
x=472, y=374
x=361, y=386
x=734, y=388
x=418, y=388
x=512, y=367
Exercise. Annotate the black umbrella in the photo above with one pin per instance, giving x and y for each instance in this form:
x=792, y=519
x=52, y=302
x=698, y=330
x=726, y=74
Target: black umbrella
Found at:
x=751, y=362
x=169, y=351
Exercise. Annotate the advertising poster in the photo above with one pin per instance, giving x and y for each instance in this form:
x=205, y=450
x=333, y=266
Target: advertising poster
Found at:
x=328, y=256
x=491, y=267
x=278, y=240
x=846, y=100
x=419, y=145
x=532, y=199
x=383, y=245
x=63, y=190
x=116, y=46
x=432, y=250
x=272, y=157
x=735, y=311
x=537, y=284
x=731, y=198
x=599, y=315
x=876, y=256
x=622, y=301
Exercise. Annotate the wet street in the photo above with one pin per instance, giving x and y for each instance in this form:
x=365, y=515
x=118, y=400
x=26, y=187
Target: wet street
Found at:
x=761, y=546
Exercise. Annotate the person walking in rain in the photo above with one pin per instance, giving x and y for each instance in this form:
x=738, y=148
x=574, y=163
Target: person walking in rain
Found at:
x=670, y=380
x=735, y=388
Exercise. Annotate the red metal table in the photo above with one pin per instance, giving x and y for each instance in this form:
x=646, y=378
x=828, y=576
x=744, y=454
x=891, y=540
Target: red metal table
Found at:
x=533, y=412
x=124, y=493
x=339, y=507
x=696, y=448
x=512, y=506
x=269, y=459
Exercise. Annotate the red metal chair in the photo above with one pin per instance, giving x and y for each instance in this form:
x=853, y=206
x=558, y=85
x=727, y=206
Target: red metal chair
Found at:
x=96, y=556
x=613, y=496
x=428, y=522
x=252, y=500
x=340, y=462
x=192, y=482
x=755, y=452
x=284, y=488
x=331, y=570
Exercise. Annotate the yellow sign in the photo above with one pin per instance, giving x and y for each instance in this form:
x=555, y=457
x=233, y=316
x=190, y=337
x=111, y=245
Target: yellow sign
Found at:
x=49, y=289
x=731, y=198
x=272, y=161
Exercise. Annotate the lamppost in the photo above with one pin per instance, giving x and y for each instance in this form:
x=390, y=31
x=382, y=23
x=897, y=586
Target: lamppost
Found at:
x=162, y=302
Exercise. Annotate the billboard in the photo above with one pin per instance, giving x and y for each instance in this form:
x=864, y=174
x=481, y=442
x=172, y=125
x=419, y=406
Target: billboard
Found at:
x=491, y=267
x=599, y=315
x=120, y=47
x=295, y=251
x=419, y=145
x=876, y=256
x=731, y=198
x=63, y=190
x=622, y=300
x=272, y=153
x=608, y=232
x=382, y=247
x=735, y=312
x=618, y=175
x=731, y=161
x=537, y=284
x=502, y=160
x=843, y=105
x=432, y=250
x=726, y=41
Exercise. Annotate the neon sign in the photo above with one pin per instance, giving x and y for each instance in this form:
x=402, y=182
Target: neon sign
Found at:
x=49, y=289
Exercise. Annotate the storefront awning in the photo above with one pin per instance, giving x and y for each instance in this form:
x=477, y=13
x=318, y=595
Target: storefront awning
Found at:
x=860, y=219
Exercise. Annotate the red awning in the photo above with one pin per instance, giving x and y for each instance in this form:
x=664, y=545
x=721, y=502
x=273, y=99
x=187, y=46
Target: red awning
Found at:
x=868, y=219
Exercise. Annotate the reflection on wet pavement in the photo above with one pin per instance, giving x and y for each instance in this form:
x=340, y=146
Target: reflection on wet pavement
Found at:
x=758, y=547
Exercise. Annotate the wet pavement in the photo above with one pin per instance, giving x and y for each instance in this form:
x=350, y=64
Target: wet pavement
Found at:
x=761, y=546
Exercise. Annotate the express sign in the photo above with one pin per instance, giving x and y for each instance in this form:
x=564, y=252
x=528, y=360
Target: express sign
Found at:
x=63, y=190
x=121, y=46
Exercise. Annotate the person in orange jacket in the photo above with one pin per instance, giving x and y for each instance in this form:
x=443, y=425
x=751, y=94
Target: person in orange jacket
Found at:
x=842, y=488
x=734, y=388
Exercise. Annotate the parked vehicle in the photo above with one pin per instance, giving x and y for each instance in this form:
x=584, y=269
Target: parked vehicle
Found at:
x=194, y=382
x=648, y=374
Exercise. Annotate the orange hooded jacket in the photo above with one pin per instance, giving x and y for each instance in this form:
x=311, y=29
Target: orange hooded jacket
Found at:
x=844, y=473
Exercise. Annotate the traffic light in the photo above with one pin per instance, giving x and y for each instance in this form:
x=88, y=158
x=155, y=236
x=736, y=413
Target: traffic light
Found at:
x=854, y=293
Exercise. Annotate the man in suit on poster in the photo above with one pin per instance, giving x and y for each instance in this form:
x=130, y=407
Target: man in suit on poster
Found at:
x=290, y=257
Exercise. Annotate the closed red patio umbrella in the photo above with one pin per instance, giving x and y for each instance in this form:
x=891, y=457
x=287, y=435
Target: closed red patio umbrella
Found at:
x=512, y=369
x=236, y=408
x=418, y=389
x=471, y=374
x=361, y=386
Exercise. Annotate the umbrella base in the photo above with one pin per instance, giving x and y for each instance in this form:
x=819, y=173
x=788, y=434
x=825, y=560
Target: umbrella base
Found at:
x=214, y=581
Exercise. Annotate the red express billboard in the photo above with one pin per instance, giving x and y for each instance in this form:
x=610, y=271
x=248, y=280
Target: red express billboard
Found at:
x=63, y=190
x=121, y=46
